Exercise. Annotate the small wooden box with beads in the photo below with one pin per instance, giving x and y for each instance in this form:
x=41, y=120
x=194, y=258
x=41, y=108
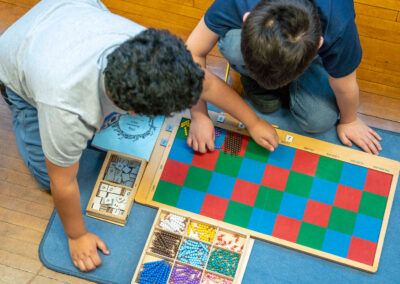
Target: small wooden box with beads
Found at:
x=187, y=248
x=115, y=188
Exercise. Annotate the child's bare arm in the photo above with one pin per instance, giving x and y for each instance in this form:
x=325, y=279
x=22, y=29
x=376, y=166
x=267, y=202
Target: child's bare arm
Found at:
x=65, y=191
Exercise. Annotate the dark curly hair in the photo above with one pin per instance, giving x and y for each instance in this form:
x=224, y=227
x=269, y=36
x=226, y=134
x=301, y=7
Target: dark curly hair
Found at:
x=153, y=74
x=280, y=39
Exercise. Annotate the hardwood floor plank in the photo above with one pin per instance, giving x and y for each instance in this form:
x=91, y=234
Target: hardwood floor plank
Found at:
x=16, y=177
x=8, y=230
x=45, y=280
x=10, y=13
x=382, y=13
x=26, y=207
x=19, y=262
x=19, y=247
x=380, y=106
x=32, y=193
x=22, y=219
x=15, y=164
x=62, y=277
x=380, y=123
x=10, y=275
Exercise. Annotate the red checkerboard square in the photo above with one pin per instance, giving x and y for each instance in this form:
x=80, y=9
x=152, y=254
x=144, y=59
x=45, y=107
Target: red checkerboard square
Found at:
x=286, y=228
x=317, y=213
x=175, y=172
x=245, y=141
x=275, y=177
x=347, y=198
x=205, y=161
x=245, y=192
x=378, y=182
x=362, y=251
x=305, y=162
x=214, y=207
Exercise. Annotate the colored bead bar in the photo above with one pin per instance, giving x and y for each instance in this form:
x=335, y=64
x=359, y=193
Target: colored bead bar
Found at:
x=185, y=274
x=223, y=262
x=155, y=272
x=202, y=232
x=173, y=223
x=231, y=242
x=210, y=278
x=194, y=253
x=217, y=131
x=165, y=244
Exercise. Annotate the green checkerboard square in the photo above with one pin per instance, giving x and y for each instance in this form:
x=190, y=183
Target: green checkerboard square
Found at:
x=372, y=205
x=329, y=169
x=256, y=152
x=167, y=193
x=180, y=134
x=228, y=164
x=238, y=214
x=299, y=184
x=268, y=199
x=198, y=178
x=342, y=220
x=311, y=236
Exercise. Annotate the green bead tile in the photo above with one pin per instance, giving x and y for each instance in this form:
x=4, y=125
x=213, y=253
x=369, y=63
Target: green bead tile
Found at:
x=228, y=164
x=256, y=152
x=299, y=184
x=269, y=199
x=311, y=236
x=342, y=220
x=329, y=169
x=372, y=205
x=238, y=214
x=198, y=178
x=180, y=134
x=167, y=193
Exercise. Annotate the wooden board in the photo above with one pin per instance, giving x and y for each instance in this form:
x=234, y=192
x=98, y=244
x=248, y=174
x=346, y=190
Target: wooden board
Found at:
x=218, y=240
x=350, y=158
x=104, y=203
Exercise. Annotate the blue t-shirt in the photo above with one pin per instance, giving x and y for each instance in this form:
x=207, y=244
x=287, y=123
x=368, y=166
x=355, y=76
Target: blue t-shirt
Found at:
x=341, y=51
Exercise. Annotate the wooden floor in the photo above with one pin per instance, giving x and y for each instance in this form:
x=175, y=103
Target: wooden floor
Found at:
x=25, y=208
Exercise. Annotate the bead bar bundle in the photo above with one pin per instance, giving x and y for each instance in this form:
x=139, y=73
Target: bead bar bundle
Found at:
x=173, y=223
x=155, y=272
x=185, y=275
x=165, y=244
x=197, y=251
x=223, y=262
x=230, y=241
x=201, y=232
x=210, y=278
x=233, y=143
x=194, y=253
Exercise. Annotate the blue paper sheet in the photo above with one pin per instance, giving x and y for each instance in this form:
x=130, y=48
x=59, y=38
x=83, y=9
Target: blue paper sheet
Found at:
x=132, y=135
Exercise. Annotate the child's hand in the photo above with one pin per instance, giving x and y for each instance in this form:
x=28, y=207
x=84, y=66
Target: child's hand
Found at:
x=84, y=253
x=202, y=134
x=264, y=134
x=363, y=136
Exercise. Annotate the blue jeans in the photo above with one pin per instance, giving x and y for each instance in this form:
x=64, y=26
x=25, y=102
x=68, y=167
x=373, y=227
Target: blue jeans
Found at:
x=312, y=101
x=26, y=129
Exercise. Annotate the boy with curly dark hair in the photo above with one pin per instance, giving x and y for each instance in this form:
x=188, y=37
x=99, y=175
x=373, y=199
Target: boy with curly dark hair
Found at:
x=66, y=66
x=307, y=50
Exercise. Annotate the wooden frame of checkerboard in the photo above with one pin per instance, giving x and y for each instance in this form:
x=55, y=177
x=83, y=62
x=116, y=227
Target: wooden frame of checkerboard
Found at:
x=160, y=154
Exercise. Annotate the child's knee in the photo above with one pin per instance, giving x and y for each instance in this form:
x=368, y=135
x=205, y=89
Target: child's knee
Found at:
x=319, y=123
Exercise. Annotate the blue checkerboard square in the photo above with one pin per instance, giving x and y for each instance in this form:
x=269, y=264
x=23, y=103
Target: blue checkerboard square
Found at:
x=353, y=176
x=367, y=228
x=191, y=200
x=323, y=191
x=251, y=170
x=221, y=185
x=262, y=221
x=282, y=157
x=293, y=206
x=181, y=152
x=336, y=243
x=219, y=140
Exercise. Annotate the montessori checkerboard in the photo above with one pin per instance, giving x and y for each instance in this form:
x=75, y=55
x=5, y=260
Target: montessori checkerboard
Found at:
x=297, y=196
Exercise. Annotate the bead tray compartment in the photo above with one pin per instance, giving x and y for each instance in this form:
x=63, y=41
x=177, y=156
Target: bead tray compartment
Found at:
x=115, y=188
x=191, y=260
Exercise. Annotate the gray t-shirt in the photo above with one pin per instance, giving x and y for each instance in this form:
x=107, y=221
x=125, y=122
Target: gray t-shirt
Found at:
x=54, y=57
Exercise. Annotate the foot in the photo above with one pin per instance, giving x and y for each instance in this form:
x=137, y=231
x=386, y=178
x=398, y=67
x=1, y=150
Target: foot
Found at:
x=265, y=101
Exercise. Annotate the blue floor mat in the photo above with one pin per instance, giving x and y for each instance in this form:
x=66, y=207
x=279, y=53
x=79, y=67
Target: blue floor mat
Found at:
x=268, y=263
